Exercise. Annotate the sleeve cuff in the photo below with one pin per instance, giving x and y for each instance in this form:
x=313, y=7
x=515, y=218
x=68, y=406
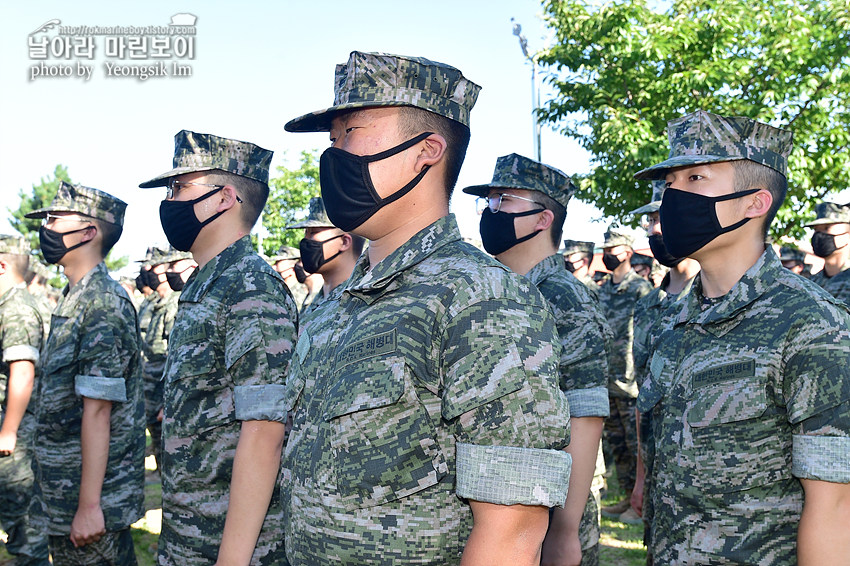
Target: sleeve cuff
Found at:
x=589, y=402
x=20, y=352
x=824, y=458
x=508, y=475
x=260, y=402
x=103, y=388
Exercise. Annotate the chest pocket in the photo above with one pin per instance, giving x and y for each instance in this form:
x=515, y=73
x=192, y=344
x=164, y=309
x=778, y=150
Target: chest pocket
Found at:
x=737, y=443
x=383, y=440
x=198, y=391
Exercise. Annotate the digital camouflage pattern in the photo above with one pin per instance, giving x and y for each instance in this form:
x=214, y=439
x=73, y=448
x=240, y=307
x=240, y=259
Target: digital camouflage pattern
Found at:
x=576, y=246
x=145, y=313
x=838, y=285
x=618, y=303
x=114, y=548
x=228, y=354
x=830, y=213
x=415, y=393
x=653, y=314
x=517, y=172
x=641, y=259
x=748, y=393
x=194, y=152
x=615, y=236
x=658, y=188
x=381, y=79
x=13, y=245
x=84, y=200
x=703, y=137
x=317, y=217
x=320, y=309
x=787, y=253
x=92, y=351
x=21, y=337
x=583, y=368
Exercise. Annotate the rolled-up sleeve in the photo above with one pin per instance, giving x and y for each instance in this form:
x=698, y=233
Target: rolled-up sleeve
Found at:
x=260, y=402
x=103, y=388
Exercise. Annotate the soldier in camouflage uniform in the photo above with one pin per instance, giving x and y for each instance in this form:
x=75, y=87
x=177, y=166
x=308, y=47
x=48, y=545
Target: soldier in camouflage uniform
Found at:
x=37, y=282
x=145, y=280
x=155, y=343
x=423, y=406
x=618, y=295
x=228, y=353
x=642, y=264
x=334, y=265
x=577, y=258
x=90, y=436
x=21, y=336
x=793, y=259
x=749, y=387
x=831, y=241
x=287, y=263
x=653, y=314
x=584, y=334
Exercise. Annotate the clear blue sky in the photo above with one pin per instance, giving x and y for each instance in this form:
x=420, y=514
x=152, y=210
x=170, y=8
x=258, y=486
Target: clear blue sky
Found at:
x=257, y=65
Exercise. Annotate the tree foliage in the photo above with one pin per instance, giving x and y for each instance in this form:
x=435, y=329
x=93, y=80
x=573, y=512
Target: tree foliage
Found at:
x=622, y=69
x=289, y=197
x=41, y=196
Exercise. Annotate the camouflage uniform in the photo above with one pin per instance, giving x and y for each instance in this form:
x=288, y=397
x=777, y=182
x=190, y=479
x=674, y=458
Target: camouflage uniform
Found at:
x=92, y=351
x=21, y=336
x=618, y=304
x=573, y=246
x=839, y=284
x=45, y=307
x=583, y=333
x=228, y=353
x=379, y=462
x=749, y=392
x=733, y=430
x=298, y=290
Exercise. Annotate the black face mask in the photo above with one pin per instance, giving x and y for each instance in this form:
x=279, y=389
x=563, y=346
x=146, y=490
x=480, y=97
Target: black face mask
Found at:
x=175, y=278
x=313, y=253
x=300, y=274
x=140, y=282
x=181, y=224
x=570, y=266
x=52, y=247
x=611, y=261
x=823, y=244
x=689, y=221
x=498, y=233
x=348, y=193
x=660, y=253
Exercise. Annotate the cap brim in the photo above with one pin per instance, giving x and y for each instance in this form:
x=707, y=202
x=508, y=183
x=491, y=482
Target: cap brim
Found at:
x=162, y=180
x=647, y=208
x=659, y=171
x=320, y=120
x=822, y=221
x=42, y=212
x=484, y=190
x=309, y=224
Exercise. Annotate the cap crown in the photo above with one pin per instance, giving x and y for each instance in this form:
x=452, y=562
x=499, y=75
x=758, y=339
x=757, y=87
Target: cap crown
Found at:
x=517, y=172
x=573, y=246
x=13, y=245
x=87, y=201
x=207, y=151
x=317, y=216
x=615, y=237
x=831, y=213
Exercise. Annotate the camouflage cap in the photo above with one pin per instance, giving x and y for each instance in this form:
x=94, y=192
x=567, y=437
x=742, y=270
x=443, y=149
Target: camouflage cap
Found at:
x=86, y=201
x=317, y=217
x=702, y=137
x=787, y=253
x=830, y=213
x=578, y=246
x=148, y=256
x=655, y=201
x=517, y=172
x=168, y=255
x=195, y=152
x=641, y=259
x=617, y=237
x=285, y=252
x=16, y=245
x=381, y=79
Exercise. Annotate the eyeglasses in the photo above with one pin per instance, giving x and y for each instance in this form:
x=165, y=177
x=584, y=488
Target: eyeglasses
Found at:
x=494, y=202
x=174, y=185
x=49, y=217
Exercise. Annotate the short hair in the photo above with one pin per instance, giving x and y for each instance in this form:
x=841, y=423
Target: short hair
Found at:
x=414, y=121
x=19, y=262
x=252, y=192
x=560, y=215
x=110, y=234
x=752, y=175
x=357, y=243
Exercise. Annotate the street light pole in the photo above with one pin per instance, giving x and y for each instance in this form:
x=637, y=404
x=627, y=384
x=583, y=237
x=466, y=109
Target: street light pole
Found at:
x=535, y=88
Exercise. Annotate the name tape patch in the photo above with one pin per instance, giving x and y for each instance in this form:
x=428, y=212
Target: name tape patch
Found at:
x=384, y=343
x=726, y=372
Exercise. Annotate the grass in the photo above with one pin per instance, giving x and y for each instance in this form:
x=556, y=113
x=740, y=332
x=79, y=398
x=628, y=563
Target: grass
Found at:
x=620, y=544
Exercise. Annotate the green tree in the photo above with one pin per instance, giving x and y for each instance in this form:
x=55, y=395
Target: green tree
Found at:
x=289, y=196
x=622, y=69
x=41, y=196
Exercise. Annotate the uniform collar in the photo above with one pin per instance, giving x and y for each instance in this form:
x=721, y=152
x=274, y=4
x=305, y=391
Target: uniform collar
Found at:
x=631, y=275
x=70, y=295
x=755, y=282
x=202, y=279
x=11, y=291
x=442, y=232
x=545, y=269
